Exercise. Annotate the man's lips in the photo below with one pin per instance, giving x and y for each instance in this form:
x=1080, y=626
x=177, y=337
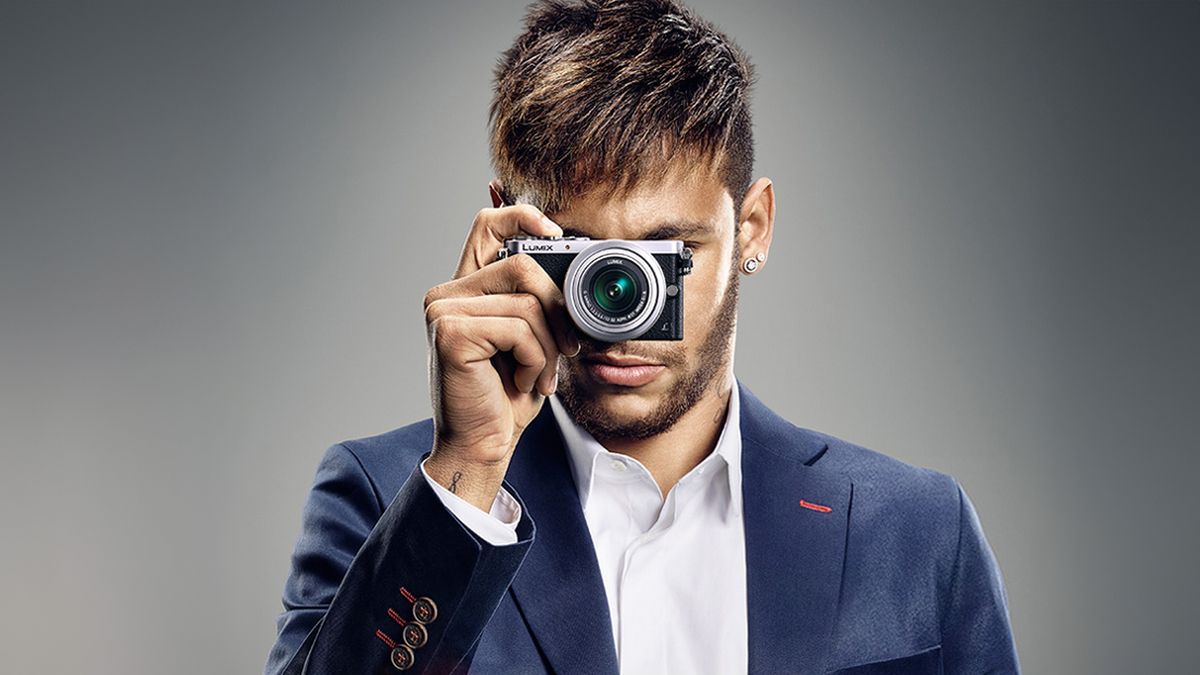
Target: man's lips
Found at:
x=625, y=371
x=620, y=360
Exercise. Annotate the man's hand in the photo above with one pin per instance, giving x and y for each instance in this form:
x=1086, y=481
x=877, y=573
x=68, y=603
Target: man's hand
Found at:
x=495, y=332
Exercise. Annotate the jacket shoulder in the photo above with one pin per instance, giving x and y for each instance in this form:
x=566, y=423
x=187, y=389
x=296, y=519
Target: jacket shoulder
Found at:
x=868, y=469
x=389, y=458
x=906, y=510
x=901, y=501
x=871, y=468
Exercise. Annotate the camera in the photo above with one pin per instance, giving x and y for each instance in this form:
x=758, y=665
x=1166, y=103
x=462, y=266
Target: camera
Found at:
x=615, y=289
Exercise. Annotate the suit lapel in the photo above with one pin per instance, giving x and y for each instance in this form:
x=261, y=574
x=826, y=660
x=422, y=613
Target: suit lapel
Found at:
x=558, y=589
x=794, y=553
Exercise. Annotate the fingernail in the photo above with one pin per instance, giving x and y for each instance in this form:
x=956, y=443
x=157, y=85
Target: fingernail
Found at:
x=550, y=223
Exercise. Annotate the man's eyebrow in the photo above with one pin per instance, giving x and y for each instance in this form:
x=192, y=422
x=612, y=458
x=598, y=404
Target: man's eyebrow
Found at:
x=674, y=230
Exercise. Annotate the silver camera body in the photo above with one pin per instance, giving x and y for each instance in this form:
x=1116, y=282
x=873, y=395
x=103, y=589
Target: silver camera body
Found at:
x=615, y=289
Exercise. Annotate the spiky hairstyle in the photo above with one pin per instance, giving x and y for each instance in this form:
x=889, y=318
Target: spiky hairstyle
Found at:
x=606, y=93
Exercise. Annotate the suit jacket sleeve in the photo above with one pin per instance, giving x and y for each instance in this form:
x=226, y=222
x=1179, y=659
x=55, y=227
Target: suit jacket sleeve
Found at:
x=498, y=527
x=353, y=558
x=976, y=630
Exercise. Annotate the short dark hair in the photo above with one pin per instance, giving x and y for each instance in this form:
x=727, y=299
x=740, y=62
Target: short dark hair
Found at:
x=598, y=92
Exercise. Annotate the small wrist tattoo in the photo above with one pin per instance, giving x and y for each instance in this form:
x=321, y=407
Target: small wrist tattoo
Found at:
x=454, y=481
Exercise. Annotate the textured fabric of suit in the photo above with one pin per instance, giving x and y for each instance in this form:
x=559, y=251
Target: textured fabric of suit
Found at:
x=857, y=563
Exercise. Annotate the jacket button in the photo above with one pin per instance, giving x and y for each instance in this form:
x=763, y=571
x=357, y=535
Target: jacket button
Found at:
x=402, y=657
x=415, y=635
x=424, y=610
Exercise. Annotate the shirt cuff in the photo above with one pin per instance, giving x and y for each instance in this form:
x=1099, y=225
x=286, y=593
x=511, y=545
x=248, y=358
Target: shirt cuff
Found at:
x=497, y=527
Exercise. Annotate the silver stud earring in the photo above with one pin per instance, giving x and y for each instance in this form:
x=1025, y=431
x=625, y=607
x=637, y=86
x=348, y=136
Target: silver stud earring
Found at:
x=750, y=264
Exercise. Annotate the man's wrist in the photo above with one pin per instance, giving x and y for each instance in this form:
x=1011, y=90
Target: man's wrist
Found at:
x=498, y=528
x=475, y=484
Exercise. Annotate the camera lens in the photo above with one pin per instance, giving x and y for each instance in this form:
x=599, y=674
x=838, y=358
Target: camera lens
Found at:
x=614, y=290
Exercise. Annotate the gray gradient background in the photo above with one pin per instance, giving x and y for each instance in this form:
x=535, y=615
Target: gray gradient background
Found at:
x=218, y=221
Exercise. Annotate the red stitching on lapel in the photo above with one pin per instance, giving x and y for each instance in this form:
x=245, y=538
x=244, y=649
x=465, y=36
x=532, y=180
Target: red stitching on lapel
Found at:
x=815, y=507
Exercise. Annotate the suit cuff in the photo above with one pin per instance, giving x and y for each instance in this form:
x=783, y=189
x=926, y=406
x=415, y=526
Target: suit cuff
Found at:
x=497, y=527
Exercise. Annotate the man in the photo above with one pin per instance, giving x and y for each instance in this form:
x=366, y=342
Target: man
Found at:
x=524, y=528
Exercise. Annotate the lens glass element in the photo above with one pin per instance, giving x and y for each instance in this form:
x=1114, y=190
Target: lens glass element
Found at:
x=614, y=290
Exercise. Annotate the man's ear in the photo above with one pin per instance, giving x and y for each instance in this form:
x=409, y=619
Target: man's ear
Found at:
x=497, y=189
x=757, y=219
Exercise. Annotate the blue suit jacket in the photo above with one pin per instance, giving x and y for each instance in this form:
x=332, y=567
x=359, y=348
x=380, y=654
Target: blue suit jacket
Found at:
x=883, y=569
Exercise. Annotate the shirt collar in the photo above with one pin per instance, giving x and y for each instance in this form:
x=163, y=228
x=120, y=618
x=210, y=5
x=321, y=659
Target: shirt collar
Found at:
x=583, y=450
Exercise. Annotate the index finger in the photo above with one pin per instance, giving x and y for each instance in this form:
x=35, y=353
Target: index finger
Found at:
x=516, y=274
x=492, y=226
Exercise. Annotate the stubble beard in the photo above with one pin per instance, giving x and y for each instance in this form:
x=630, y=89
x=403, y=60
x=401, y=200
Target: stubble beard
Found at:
x=712, y=361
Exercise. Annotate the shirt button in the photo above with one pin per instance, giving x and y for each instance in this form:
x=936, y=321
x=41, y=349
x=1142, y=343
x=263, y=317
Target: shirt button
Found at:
x=619, y=465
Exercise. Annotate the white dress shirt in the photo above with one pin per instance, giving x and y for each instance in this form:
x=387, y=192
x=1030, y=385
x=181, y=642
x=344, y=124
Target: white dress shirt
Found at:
x=674, y=569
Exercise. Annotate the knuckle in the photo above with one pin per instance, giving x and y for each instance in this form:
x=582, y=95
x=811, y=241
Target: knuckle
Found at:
x=431, y=295
x=432, y=330
x=528, y=211
x=445, y=330
x=539, y=361
x=526, y=328
x=543, y=356
x=523, y=264
x=432, y=310
x=529, y=303
x=529, y=273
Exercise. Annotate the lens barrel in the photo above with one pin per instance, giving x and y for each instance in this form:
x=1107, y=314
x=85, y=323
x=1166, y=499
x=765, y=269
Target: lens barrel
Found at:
x=614, y=290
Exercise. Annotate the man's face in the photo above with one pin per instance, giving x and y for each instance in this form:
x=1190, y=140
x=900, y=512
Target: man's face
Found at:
x=690, y=197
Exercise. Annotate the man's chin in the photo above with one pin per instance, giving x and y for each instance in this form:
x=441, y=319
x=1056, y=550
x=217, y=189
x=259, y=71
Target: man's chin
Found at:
x=609, y=412
x=626, y=403
x=606, y=414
